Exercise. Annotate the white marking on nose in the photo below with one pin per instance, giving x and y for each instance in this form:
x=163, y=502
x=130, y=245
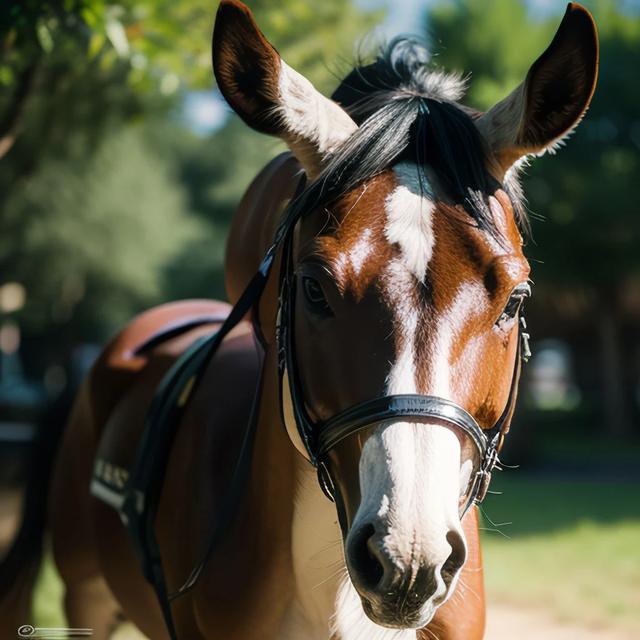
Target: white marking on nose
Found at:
x=410, y=472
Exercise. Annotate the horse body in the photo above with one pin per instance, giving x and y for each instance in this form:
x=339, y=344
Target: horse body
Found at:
x=407, y=279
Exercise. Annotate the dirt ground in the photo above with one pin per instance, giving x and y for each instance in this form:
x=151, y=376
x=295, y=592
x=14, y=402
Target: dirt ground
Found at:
x=504, y=623
x=509, y=623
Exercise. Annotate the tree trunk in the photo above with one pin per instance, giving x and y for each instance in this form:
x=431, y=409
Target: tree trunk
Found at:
x=615, y=401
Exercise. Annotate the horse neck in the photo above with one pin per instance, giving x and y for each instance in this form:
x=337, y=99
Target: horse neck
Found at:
x=316, y=547
x=295, y=538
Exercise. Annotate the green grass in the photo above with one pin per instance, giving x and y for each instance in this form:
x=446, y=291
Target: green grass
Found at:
x=572, y=549
x=47, y=607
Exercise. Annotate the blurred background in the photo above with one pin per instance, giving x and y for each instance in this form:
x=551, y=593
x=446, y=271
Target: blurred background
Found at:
x=120, y=167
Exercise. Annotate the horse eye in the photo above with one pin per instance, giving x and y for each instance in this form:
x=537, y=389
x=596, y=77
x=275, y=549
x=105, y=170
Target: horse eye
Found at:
x=516, y=299
x=314, y=296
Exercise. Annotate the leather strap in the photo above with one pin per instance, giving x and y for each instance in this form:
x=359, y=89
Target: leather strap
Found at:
x=384, y=408
x=319, y=438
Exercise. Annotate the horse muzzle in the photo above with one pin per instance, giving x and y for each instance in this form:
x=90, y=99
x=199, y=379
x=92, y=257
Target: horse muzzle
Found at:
x=402, y=590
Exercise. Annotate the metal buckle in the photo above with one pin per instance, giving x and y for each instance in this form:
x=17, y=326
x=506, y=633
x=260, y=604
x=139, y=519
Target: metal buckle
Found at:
x=524, y=340
x=324, y=479
x=484, y=475
x=483, y=486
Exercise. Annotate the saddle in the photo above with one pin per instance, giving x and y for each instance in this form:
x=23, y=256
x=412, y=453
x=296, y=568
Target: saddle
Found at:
x=133, y=486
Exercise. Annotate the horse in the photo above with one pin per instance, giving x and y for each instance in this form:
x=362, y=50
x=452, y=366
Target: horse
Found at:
x=404, y=276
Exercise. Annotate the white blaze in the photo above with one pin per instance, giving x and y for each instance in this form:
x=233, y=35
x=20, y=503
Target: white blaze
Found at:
x=410, y=219
x=410, y=472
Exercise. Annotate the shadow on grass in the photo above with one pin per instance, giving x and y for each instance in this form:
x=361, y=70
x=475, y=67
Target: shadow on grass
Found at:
x=534, y=504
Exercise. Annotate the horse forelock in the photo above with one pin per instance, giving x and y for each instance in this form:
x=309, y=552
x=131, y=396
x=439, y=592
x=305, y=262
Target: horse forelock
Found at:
x=407, y=114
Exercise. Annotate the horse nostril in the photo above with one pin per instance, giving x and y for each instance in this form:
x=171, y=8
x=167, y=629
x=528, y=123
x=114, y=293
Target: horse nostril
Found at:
x=363, y=560
x=456, y=558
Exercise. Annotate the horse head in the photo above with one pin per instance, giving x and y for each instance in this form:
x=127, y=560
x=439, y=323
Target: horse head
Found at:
x=409, y=277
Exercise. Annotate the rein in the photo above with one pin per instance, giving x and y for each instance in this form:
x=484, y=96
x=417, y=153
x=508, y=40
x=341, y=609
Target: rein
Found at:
x=313, y=440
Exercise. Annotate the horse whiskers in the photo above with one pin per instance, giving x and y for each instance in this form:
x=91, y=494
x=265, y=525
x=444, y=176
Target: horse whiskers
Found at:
x=431, y=633
x=330, y=547
x=502, y=533
x=493, y=524
x=331, y=576
x=466, y=587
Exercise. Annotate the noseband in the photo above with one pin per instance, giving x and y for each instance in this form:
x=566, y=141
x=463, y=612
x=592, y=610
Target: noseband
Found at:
x=315, y=439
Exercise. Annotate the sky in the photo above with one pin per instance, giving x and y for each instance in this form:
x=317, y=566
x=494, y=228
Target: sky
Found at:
x=407, y=15
x=204, y=111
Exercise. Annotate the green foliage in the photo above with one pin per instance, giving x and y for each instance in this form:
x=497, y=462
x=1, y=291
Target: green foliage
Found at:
x=317, y=38
x=593, y=232
x=108, y=205
x=215, y=172
x=159, y=41
x=98, y=235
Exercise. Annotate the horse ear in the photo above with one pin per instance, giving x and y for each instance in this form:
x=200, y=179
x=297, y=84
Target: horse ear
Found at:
x=269, y=95
x=553, y=98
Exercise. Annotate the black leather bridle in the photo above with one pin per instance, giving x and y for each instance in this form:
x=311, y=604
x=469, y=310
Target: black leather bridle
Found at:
x=318, y=438
x=142, y=492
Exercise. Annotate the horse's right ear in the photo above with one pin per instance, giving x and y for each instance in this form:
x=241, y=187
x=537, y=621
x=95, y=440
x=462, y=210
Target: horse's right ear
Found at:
x=553, y=97
x=269, y=95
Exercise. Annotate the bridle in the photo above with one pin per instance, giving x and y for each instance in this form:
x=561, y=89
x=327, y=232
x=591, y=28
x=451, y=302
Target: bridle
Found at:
x=315, y=439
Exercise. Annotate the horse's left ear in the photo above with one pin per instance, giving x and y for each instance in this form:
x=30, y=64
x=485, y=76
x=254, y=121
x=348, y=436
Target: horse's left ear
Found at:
x=552, y=99
x=269, y=95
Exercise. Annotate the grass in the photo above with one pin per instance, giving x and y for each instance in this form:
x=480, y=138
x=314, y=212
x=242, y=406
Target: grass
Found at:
x=47, y=606
x=572, y=549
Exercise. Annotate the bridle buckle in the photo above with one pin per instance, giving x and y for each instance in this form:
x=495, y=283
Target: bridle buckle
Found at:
x=525, y=347
x=484, y=475
x=325, y=481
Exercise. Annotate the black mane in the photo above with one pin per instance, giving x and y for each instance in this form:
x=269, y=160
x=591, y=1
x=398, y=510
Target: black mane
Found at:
x=407, y=111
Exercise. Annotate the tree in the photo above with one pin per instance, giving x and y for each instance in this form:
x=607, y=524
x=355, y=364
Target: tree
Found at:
x=107, y=203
